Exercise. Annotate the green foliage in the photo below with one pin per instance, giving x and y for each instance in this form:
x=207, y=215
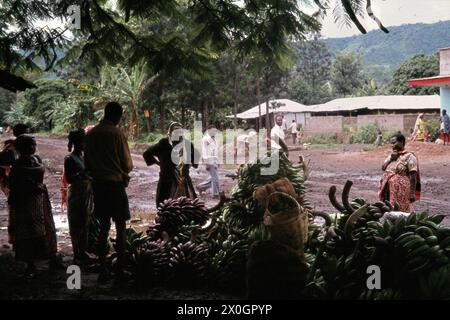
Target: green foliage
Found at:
x=39, y=103
x=151, y=138
x=381, y=73
x=323, y=138
x=369, y=88
x=433, y=127
x=347, y=74
x=420, y=66
x=309, y=83
x=365, y=134
x=67, y=115
x=16, y=115
x=7, y=100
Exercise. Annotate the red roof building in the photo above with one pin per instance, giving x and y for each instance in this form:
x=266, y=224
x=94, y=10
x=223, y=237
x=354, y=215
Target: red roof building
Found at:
x=442, y=80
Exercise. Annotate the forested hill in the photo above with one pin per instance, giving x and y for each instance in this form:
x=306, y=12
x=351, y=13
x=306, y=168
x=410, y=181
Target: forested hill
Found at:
x=400, y=44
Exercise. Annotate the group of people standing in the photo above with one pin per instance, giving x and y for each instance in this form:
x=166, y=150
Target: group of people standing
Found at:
x=97, y=172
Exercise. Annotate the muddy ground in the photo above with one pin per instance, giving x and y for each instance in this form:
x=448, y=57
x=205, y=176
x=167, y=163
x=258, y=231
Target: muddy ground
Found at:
x=329, y=166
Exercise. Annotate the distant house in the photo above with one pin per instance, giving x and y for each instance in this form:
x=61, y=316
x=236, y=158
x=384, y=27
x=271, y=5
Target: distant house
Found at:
x=389, y=112
x=290, y=109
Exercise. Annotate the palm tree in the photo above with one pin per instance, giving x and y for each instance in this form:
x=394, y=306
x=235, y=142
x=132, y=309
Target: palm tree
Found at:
x=127, y=87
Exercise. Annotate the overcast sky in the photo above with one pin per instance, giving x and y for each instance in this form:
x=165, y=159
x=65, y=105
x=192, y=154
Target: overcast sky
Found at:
x=393, y=13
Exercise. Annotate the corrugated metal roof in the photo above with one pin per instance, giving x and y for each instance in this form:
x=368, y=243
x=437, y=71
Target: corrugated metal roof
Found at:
x=349, y=104
x=379, y=103
x=286, y=105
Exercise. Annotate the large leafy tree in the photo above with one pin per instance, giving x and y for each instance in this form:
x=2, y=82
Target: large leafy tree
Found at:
x=23, y=45
x=108, y=34
x=347, y=74
x=312, y=74
x=420, y=66
x=173, y=37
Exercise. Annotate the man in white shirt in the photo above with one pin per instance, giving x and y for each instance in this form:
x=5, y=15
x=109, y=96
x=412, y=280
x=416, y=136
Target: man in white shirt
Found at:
x=211, y=160
x=277, y=135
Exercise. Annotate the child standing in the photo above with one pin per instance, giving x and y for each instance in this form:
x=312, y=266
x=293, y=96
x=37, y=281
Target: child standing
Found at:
x=79, y=196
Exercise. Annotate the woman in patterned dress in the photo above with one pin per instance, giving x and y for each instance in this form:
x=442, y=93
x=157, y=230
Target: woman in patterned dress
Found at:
x=401, y=180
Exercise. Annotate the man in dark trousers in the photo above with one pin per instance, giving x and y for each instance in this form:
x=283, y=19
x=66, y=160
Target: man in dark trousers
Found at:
x=108, y=160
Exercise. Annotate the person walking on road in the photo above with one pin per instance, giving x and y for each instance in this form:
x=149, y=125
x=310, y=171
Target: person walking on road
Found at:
x=210, y=157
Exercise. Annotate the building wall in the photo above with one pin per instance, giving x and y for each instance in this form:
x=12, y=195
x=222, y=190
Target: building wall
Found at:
x=444, y=58
x=299, y=117
x=395, y=122
x=386, y=122
x=318, y=125
x=445, y=99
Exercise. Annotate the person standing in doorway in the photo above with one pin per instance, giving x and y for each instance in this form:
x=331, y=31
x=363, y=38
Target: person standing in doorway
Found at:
x=108, y=160
x=210, y=157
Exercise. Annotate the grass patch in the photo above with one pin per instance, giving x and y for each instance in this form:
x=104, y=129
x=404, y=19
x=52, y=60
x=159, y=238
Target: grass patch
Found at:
x=325, y=146
x=324, y=138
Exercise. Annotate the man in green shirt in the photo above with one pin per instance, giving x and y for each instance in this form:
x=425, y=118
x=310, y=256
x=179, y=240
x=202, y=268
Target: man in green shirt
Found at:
x=108, y=161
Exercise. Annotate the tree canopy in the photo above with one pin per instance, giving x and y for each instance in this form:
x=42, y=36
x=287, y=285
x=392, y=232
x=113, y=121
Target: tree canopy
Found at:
x=199, y=29
x=420, y=66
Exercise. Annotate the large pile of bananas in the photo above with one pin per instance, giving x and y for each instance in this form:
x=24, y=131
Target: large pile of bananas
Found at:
x=174, y=213
x=213, y=246
x=411, y=251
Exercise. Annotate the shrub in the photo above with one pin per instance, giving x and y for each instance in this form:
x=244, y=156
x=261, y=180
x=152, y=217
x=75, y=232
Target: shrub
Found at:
x=324, y=138
x=151, y=138
x=433, y=127
x=365, y=134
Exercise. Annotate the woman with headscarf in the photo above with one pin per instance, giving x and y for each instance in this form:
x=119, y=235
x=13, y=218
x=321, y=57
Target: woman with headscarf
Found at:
x=79, y=195
x=174, y=155
x=7, y=156
x=419, y=129
x=401, y=178
x=32, y=225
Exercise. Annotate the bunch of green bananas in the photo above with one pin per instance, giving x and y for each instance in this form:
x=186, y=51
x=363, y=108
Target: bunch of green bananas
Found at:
x=257, y=232
x=189, y=263
x=250, y=176
x=152, y=261
x=382, y=294
x=436, y=285
x=134, y=239
x=421, y=248
x=93, y=235
x=237, y=216
x=227, y=268
x=174, y=213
